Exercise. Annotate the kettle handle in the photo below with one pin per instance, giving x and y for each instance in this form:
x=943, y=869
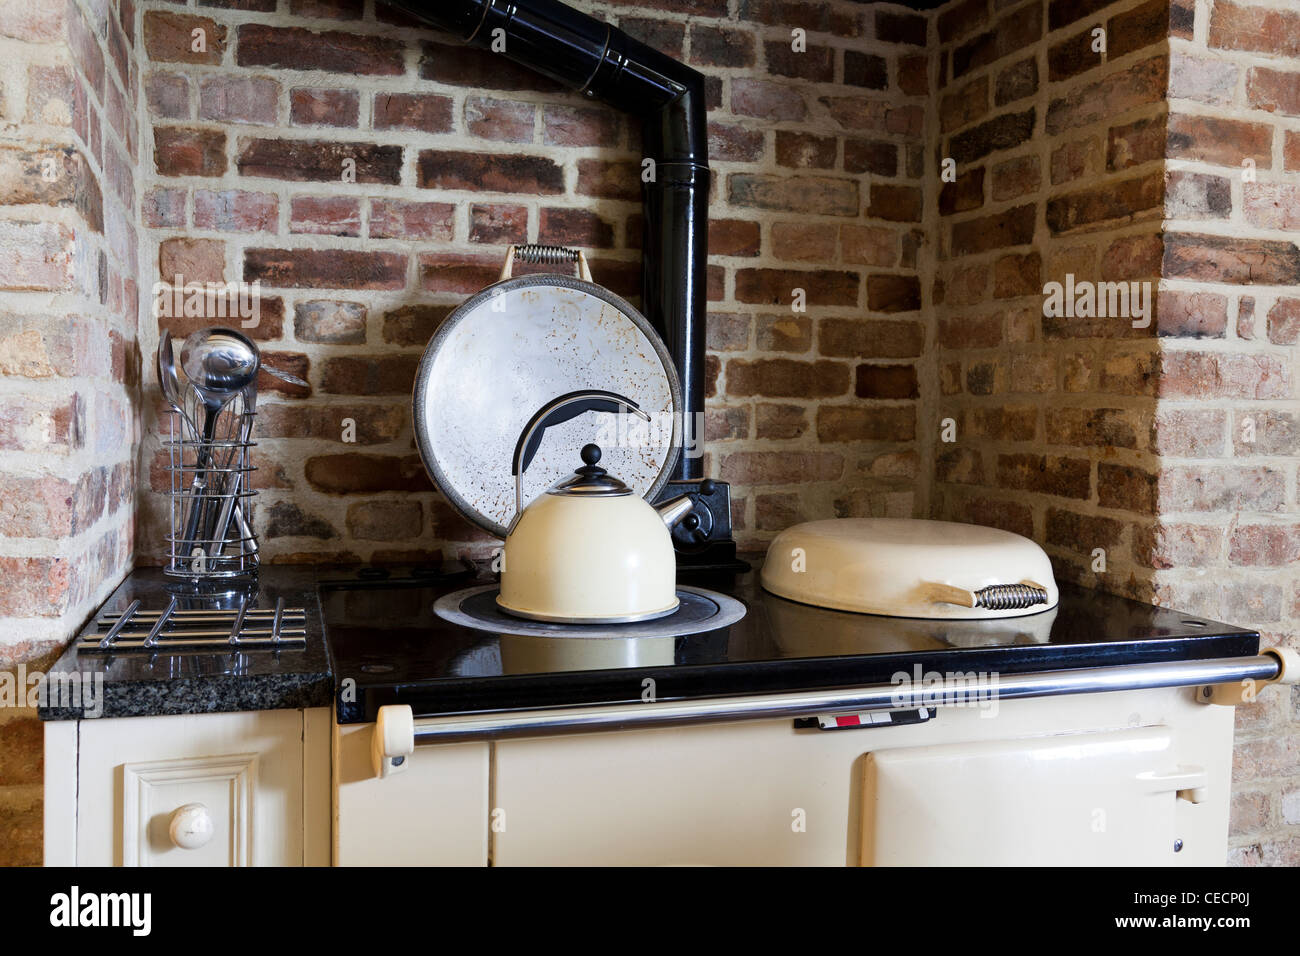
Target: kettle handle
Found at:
x=555, y=412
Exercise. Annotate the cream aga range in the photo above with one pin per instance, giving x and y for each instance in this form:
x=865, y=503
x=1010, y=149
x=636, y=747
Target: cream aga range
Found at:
x=1096, y=731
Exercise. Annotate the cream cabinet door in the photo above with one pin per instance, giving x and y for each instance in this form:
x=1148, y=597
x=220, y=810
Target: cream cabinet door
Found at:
x=242, y=789
x=1111, y=798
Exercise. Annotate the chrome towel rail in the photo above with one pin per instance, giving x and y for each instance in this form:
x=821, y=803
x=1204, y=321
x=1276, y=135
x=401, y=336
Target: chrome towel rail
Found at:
x=1270, y=667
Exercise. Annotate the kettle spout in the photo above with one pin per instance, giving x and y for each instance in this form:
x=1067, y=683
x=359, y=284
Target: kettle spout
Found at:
x=675, y=509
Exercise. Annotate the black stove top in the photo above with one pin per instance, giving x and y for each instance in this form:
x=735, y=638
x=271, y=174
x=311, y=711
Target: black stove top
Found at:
x=389, y=647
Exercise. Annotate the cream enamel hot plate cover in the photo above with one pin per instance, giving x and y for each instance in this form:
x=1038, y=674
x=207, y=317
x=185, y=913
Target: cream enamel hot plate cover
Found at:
x=903, y=567
x=510, y=349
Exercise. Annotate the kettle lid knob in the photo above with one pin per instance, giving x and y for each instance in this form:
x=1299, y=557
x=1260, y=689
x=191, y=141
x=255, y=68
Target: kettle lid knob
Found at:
x=590, y=454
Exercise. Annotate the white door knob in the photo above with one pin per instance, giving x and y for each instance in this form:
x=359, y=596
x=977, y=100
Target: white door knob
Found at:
x=191, y=826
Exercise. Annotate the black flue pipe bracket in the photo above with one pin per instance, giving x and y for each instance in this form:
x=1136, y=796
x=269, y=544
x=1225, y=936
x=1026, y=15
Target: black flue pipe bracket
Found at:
x=604, y=63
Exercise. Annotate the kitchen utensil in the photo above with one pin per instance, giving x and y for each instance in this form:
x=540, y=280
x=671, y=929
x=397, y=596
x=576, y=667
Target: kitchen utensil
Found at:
x=236, y=472
x=902, y=567
x=588, y=549
x=505, y=352
x=220, y=364
x=285, y=376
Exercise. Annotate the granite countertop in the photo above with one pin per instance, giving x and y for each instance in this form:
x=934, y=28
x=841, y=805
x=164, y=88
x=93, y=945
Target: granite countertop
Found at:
x=138, y=684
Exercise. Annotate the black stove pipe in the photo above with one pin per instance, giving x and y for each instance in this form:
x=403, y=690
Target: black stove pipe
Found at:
x=604, y=63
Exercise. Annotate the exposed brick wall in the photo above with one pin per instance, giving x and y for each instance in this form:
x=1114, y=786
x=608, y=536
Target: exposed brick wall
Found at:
x=1228, y=542
x=816, y=158
x=69, y=364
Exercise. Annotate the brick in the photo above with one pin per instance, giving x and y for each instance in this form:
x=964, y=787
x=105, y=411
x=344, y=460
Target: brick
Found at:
x=325, y=215
x=413, y=324
x=384, y=520
x=581, y=227
x=1191, y=314
x=964, y=105
x=183, y=151
x=1273, y=90
x=783, y=333
x=776, y=286
x=963, y=194
x=235, y=210
x=458, y=64
x=1263, y=545
x=963, y=466
x=904, y=28
x=1014, y=227
x=735, y=143
x=300, y=160
x=194, y=260
x=1210, y=375
x=970, y=332
x=609, y=180
x=869, y=245
x=1140, y=84
x=1219, y=489
x=1173, y=544
x=238, y=99
x=330, y=322
x=740, y=237
x=872, y=72
x=1047, y=474
x=1017, y=31
x=1266, y=433
x=894, y=203
x=846, y=423
x=377, y=375
x=1241, y=27
x=766, y=100
x=870, y=338
x=580, y=126
x=805, y=150
x=961, y=18
x=893, y=293
x=663, y=35
x=728, y=332
x=1284, y=322
x=168, y=95
x=373, y=424
x=500, y=223
x=499, y=120
x=1072, y=56
x=780, y=468
x=327, y=9
x=1006, y=515
x=1291, y=150
x=461, y=274
x=295, y=363
x=1016, y=177
x=1272, y=205
x=806, y=194
x=164, y=208
x=1225, y=142
x=418, y=111
x=1075, y=160
x=726, y=423
x=1082, y=533
x=1132, y=144
x=1016, y=275
x=815, y=64
x=1015, y=82
x=1197, y=196
x=332, y=51
x=869, y=156
x=284, y=519
x=1112, y=201
x=813, y=242
x=36, y=587
x=1205, y=80
x=170, y=38
x=777, y=512
x=325, y=268
x=779, y=422
x=786, y=378
x=1001, y=132
x=398, y=219
x=1229, y=259
x=1081, y=427
x=886, y=382
x=33, y=23
x=312, y=106
x=914, y=74
x=217, y=309
x=721, y=46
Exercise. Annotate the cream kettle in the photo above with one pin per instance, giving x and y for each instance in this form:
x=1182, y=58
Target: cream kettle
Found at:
x=589, y=549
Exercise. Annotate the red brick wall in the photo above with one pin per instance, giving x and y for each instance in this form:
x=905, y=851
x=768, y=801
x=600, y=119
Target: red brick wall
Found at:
x=816, y=158
x=1226, y=493
x=69, y=364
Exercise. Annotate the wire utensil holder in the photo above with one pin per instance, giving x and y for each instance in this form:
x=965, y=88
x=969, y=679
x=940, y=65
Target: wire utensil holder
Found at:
x=211, y=535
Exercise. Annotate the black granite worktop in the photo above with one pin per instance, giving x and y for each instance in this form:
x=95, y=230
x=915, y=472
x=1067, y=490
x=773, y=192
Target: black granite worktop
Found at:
x=140, y=684
x=373, y=639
